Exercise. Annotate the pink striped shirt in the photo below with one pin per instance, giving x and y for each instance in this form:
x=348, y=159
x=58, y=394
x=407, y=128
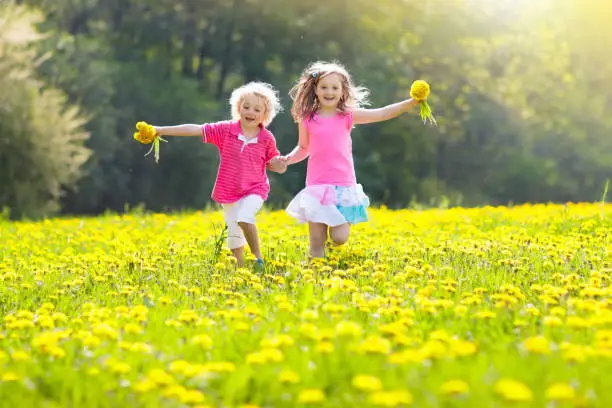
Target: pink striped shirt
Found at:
x=242, y=166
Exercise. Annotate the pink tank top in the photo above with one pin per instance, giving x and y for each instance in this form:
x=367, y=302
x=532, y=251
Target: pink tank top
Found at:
x=330, y=150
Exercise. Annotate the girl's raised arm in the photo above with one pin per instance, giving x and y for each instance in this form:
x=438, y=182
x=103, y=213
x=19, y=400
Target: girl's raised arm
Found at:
x=301, y=150
x=362, y=116
x=179, y=130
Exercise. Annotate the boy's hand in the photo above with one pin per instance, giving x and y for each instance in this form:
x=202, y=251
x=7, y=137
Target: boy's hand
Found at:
x=278, y=164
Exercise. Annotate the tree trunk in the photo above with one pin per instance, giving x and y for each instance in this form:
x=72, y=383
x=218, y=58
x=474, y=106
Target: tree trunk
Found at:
x=188, y=48
x=202, y=54
x=226, y=60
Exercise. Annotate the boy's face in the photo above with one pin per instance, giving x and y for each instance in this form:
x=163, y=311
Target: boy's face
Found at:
x=329, y=91
x=252, y=111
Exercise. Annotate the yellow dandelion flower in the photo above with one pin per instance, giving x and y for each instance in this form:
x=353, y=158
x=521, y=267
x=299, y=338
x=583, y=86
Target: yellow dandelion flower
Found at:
x=255, y=358
x=132, y=328
x=558, y=311
x=285, y=306
x=560, y=392
x=188, y=316
x=309, y=330
x=311, y=396
x=144, y=386
x=9, y=377
x=160, y=377
x=146, y=134
x=202, y=340
x=512, y=390
x=288, y=377
x=46, y=322
x=460, y=310
x=454, y=387
x=537, y=345
x=165, y=300
x=419, y=91
x=367, y=383
x=310, y=315
x=174, y=391
x=282, y=340
x=56, y=352
x=375, y=345
x=390, y=398
x=120, y=368
x=273, y=355
x=192, y=397
x=485, y=315
x=179, y=366
x=47, y=306
x=577, y=322
x=20, y=355
x=575, y=353
x=25, y=314
x=265, y=356
x=325, y=347
x=552, y=321
x=105, y=331
x=434, y=349
x=91, y=341
x=407, y=356
x=463, y=348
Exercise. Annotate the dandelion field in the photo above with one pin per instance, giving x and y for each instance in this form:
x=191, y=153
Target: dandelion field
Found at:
x=488, y=307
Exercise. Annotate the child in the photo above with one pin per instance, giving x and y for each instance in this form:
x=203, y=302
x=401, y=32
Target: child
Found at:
x=246, y=149
x=327, y=104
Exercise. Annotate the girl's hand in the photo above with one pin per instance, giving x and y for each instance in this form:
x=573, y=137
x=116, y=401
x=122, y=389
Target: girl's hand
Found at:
x=278, y=164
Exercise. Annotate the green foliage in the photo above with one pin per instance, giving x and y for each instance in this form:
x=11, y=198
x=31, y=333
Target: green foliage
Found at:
x=41, y=136
x=509, y=85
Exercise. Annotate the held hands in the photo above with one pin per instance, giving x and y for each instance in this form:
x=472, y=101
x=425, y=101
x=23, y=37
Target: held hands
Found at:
x=278, y=164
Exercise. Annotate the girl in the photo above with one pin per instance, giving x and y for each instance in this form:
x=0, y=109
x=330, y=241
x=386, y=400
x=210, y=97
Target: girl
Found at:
x=326, y=105
x=246, y=149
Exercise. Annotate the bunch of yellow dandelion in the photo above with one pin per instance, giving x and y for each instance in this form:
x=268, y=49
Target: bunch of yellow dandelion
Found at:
x=147, y=134
x=419, y=91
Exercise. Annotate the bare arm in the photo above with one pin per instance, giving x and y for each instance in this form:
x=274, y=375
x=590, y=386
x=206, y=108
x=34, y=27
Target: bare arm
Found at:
x=277, y=165
x=179, y=130
x=301, y=150
x=361, y=116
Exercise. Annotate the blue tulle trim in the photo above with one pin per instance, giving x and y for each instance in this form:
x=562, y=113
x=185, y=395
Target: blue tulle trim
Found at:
x=354, y=214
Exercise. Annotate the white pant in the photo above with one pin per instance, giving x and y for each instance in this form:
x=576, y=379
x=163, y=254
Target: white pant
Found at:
x=243, y=210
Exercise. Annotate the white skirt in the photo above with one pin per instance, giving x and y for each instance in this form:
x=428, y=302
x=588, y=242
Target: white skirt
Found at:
x=329, y=204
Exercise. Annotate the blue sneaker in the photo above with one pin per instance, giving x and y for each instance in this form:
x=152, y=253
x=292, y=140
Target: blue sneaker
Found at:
x=259, y=265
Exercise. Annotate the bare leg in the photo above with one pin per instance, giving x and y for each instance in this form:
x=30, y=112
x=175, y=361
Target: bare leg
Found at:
x=318, y=236
x=250, y=233
x=340, y=234
x=239, y=255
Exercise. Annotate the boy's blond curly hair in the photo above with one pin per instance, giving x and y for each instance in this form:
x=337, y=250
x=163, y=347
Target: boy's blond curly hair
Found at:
x=264, y=91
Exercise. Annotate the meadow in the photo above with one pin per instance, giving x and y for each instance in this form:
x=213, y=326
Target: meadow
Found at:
x=483, y=307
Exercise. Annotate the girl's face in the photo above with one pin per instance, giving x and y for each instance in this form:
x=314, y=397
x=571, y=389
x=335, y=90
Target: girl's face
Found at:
x=329, y=91
x=252, y=111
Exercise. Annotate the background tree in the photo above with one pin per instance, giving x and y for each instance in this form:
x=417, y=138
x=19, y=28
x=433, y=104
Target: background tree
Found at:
x=41, y=136
x=509, y=82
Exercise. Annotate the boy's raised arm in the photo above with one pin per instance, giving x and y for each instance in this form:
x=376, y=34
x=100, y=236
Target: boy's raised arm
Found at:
x=179, y=130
